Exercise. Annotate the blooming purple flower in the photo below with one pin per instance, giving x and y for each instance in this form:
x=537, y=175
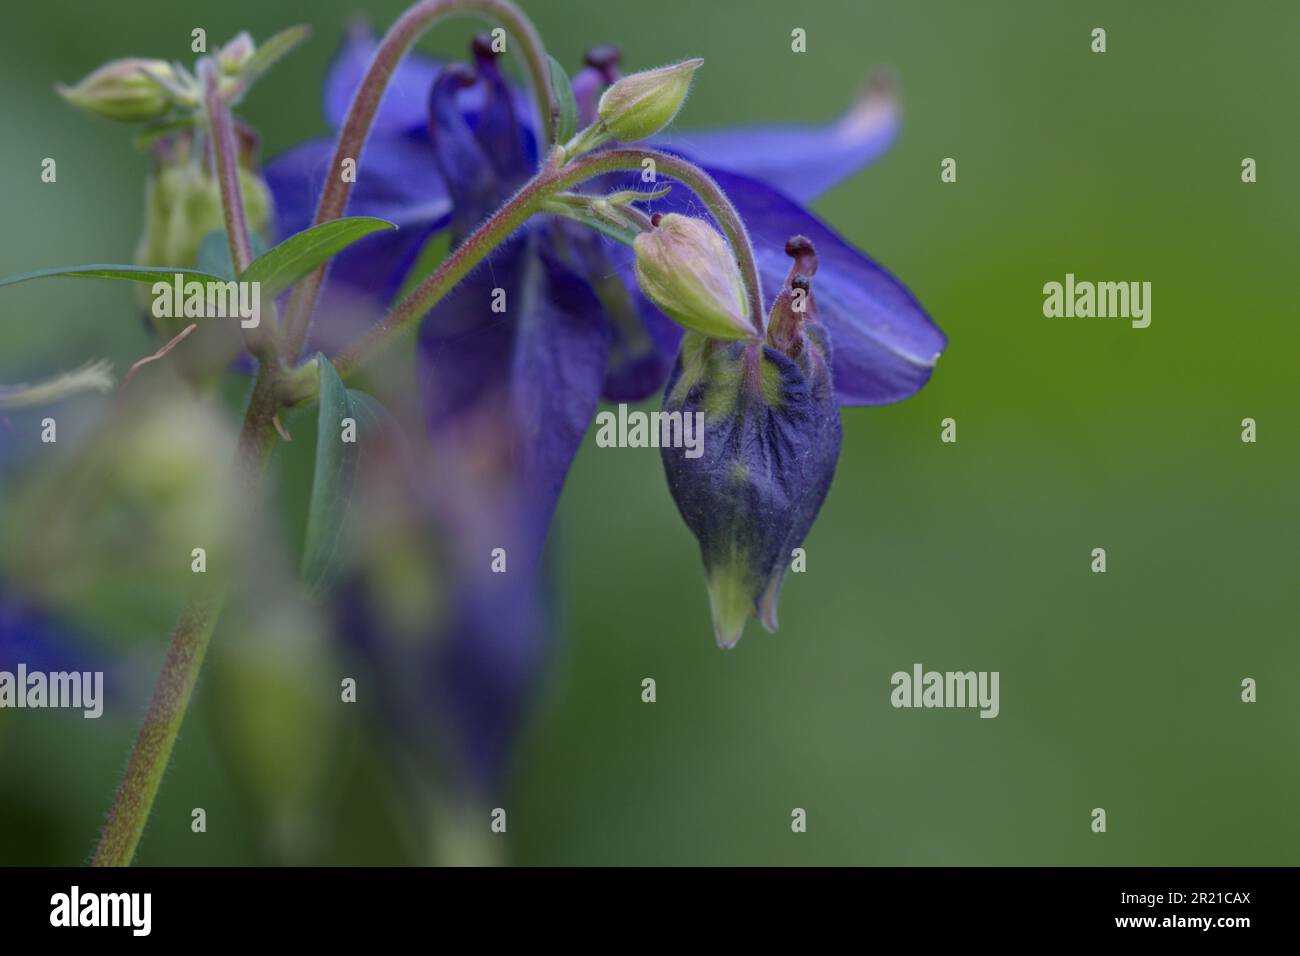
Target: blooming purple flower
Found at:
x=508, y=396
x=886, y=345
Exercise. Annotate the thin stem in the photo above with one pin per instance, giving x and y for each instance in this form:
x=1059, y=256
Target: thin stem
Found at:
x=153, y=745
x=525, y=203
x=162, y=353
x=703, y=185
x=403, y=34
x=226, y=150
x=189, y=644
x=455, y=267
x=180, y=670
x=227, y=155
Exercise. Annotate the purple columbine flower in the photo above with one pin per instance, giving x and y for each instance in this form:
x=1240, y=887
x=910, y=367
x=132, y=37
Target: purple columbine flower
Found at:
x=886, y=345
x=509, y=395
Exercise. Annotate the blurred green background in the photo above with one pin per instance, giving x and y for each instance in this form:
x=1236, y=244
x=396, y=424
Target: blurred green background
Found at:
x=1118, y=690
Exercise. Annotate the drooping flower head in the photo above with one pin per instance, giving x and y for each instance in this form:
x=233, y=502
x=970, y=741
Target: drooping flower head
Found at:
x=771, y=440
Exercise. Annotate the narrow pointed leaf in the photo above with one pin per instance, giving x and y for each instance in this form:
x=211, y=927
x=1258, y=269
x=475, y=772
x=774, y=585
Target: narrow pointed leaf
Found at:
x=214, y=253
x=104, y=271
x=566, y=120
x=368, y=411
x=272, y=51
x=331, y=488
x=283, y=265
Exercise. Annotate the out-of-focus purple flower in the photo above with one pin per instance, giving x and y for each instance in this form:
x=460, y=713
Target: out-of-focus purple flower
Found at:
x=507, y=395
x=31, y=634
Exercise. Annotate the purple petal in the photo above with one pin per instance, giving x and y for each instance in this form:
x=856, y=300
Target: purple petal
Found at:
x=640, y=357
x=508, y=399
x=643, y=341
x=466, y=168
x=465, y=350
x=486, y=666
x=509, y=146
x=771, y=441
x=561, y=351
x=885, y=343
x=530, y=376
x=397, y=180
x=802, y=160
x=404, y=105
x=404, y=108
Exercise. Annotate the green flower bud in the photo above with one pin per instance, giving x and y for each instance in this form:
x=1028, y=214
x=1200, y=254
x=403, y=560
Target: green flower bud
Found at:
x=687, y=269
x=236, y=53
x=183, y=204
x=124, y=90
x=640, y=105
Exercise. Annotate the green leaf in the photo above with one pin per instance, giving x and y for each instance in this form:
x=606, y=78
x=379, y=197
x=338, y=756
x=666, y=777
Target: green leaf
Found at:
x=566, y=122
x=368, y=411
x=331, y=487
x=214, y=253
x=130, y=273
x=283, y=265
x=578, y=208
x=271, y=52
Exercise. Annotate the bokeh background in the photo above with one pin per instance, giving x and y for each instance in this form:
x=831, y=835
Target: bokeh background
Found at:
x=1119, y=690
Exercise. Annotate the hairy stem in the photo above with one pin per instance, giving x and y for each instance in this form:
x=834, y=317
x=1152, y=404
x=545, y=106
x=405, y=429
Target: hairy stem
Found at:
x=403, y=34
x=455, y=267
x=227, y=156
x=135, y=795
x=226, y=150
x=529, y=200
x=153, y=745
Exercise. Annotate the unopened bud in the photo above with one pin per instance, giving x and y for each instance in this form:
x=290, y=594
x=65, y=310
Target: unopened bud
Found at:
x=236, y=53
x=124, y=90
x=640, y=105
x=687, y=269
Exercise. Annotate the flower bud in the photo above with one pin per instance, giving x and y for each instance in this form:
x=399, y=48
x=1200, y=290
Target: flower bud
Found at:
x=640, y=105
x=124, y=90
x=232, y=57
x=183, y=204
x=770, y=444
x=687, y=269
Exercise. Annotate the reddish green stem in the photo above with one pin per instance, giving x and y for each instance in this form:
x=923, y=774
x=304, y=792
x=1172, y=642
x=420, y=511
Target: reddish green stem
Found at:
x=524, y=204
